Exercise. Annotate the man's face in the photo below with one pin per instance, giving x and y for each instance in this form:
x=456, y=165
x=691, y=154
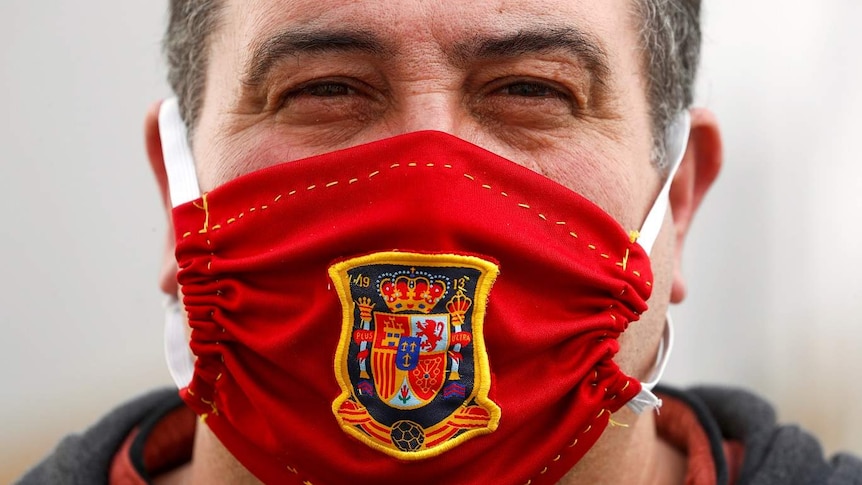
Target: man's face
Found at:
x=554, y=85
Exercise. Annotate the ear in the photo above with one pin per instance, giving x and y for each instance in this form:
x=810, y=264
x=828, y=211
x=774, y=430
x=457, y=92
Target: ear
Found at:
x=697, y=172
x=168, y=272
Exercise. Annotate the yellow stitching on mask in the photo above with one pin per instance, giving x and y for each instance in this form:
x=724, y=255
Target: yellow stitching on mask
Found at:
x=633, y=235
x=206, y=210
x=210, y=404
x=615, y=424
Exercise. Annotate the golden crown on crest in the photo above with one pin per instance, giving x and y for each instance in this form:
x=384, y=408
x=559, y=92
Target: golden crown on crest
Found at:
x=414, y=294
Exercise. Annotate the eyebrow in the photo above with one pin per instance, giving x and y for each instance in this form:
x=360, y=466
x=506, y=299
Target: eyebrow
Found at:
x=575, y=42
x=293, y=43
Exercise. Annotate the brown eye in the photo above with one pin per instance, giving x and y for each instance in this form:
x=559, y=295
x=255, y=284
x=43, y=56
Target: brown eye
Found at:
x=325, y=90
x=344, y=102
x=531, y=90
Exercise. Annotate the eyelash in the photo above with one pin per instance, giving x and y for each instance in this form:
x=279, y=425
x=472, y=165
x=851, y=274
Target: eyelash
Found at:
x=547, y=90
x=528, y=95
x=309, y=88
x=345, y=89
x=327, y=86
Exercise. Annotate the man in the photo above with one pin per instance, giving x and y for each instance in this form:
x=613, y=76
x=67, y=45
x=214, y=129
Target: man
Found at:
x=509, y=372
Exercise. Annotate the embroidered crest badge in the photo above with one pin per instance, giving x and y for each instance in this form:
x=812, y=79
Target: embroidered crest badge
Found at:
x=411, y=361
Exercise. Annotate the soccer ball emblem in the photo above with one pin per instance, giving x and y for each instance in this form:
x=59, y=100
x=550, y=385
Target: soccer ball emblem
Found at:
x=407, y=435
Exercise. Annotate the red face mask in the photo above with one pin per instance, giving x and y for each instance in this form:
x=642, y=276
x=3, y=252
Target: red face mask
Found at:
x=415, y=309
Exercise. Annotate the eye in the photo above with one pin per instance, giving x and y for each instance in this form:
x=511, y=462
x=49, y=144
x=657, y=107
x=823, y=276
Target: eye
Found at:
x=531, y=90
x=329, y=100
x=530, y=95
x=512, y=104
x=327, y=89
x=329, y=94
x=526, y=92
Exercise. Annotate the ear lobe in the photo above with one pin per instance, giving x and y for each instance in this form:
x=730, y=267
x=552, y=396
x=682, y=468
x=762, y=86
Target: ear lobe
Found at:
x=153, y=140
x=697, y=172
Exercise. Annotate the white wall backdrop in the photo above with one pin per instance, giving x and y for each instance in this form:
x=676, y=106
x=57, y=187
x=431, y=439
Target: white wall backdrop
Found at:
x=81, y=231
x=774, y=263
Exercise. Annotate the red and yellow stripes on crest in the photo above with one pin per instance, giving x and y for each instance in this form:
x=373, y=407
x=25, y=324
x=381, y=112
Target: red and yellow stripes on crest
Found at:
x=383, y=368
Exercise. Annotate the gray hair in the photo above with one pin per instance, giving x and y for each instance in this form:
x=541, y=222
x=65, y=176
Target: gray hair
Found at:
x=186, y=47
x=670, y=39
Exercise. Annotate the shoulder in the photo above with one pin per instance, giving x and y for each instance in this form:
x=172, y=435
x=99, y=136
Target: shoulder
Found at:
x=774, y=453
x=85, y=458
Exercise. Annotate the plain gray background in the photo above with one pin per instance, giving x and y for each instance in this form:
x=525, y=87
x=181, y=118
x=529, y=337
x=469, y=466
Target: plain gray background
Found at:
x=774, y=261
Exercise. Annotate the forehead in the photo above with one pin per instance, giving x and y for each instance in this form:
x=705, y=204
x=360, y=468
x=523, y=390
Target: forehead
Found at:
x=429, y=24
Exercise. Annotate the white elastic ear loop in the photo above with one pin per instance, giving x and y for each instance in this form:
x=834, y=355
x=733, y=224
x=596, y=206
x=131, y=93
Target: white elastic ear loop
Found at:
x=183, y=187
x=646, y=399
x=181, y=361
x=179, y=164
x=676, y=142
